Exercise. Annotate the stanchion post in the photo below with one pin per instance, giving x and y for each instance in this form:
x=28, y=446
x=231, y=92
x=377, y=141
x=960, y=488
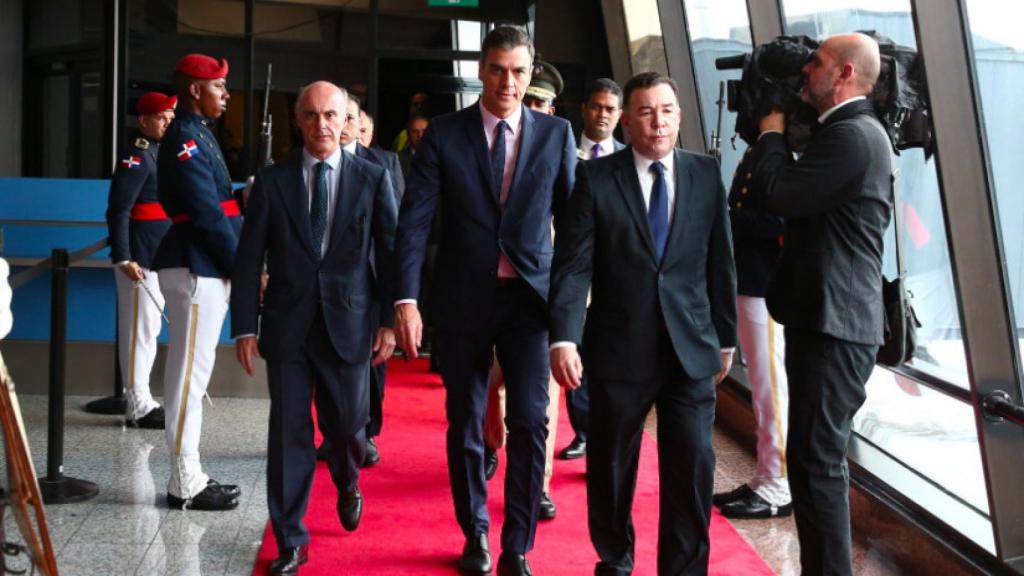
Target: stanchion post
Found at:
x=55, y=487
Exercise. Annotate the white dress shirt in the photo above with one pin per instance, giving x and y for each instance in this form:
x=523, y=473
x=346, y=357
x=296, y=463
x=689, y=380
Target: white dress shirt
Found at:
x=587, y=146
x=351, y=147
x=309, y=163
x=515, y=125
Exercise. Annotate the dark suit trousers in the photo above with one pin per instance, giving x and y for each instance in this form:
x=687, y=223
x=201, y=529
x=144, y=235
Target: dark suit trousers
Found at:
x=291, y=456
x=518, y=333
x=826, y=387
x=577, y=403
x=378, y=374
x=686, y=466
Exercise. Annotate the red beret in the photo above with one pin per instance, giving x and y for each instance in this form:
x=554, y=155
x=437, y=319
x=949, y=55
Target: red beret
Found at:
x=155, y=103
x=202, y=67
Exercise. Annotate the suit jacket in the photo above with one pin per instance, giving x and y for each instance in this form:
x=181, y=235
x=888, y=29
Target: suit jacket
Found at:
x=339, y=285
x=134, y=182
x=837, y=201
x=389, y=161
x=756, y=234
x=405, y=161
x=606, y=244
x=194, y=185
x=451, y=171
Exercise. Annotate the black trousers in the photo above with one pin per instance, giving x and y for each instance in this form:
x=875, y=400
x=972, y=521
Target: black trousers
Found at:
x=686, y=466
x=826, y=387
x=378, y=375
x=518, y=333
x=341, y=415
x=577, y=403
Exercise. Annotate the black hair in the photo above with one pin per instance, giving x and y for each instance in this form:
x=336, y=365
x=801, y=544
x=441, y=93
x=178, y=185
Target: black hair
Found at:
x=646, y=80
x=506, y=38
x=603, y=85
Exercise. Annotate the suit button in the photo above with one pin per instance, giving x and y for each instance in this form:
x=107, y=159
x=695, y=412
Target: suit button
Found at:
x=743, y=190
x=739, y=204
x=749, y=175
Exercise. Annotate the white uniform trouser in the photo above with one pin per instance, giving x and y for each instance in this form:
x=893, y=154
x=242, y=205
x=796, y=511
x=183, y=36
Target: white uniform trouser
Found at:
x=761, y=339
x=138, y=326
x=196, y=306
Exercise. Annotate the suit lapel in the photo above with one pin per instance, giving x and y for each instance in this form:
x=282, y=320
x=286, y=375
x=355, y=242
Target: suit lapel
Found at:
x=684, y=187
x=525, y=145
x=477, y=140
x=629, y=186
x=295, y=197
x=350, y=183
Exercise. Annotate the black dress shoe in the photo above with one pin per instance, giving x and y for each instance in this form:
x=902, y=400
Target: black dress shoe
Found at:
x=490, y=463
x=476, y=556
x=576, y=449
x=289, y=560
x=350, y=509
x=547, y=507
x=372, y=454
x=214, y=497
x=753, y=506
x=723, y=498
x=513, y=565
x=153, y=420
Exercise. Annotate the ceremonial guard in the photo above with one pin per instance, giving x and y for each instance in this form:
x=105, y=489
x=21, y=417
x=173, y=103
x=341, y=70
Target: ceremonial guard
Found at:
x=136, y=223
x=195, y=261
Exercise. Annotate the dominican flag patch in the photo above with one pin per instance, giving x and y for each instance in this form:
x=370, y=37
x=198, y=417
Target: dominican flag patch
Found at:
x=188, y=150
x=131, y=162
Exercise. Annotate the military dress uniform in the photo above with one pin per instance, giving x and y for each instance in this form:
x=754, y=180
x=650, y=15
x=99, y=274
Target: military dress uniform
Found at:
x=136, y=223
x=194, y=262
x=757, y=243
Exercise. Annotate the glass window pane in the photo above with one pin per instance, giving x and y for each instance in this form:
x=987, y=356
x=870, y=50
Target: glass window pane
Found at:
x=999, y=65
x=927, y=431
x=718, y=28
x=925, y=251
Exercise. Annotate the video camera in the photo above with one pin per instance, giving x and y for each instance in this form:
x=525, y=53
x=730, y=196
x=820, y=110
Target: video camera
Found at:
x=772, y=79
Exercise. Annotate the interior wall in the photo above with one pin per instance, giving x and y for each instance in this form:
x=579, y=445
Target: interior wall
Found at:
x=11, y=70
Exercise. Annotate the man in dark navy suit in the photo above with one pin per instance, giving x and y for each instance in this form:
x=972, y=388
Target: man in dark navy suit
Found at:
x=194, y=261
x=601, y=111
x=315, y=216
x=350, y=142
x=498, y=172
x=137, y=223
x=647, y=229
x=827, y=289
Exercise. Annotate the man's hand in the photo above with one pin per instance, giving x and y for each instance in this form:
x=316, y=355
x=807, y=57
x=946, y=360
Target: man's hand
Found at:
x=408, y=328
x=132, y=270
x=383, y=345
x=246, y=349
x=726, y=366
x=774, y=121
x=264, y=278
x=566, y=367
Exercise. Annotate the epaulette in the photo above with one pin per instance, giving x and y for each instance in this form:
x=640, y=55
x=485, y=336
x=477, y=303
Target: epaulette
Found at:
x=141, y=143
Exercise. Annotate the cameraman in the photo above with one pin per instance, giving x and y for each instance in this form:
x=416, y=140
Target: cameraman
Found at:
x=837, y=202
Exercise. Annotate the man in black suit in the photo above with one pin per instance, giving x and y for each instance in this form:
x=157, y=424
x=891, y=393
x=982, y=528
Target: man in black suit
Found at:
x=315, y=216
x=350, y=142
x=827, y=290
x=499, y=172
x=647, y=230
x=601, y=111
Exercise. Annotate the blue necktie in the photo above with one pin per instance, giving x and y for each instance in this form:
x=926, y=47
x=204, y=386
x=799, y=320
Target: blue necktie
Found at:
x=498, y=156
x=657, y=213
x=318, y=208
x=595, y=151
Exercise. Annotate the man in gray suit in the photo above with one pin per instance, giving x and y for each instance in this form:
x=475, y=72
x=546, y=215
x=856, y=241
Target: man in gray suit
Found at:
x=827, y=290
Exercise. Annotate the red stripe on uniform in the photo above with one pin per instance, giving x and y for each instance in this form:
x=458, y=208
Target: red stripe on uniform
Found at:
x=230, y=208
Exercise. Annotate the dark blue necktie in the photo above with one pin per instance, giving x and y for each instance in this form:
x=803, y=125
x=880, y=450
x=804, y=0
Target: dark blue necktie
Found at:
x=318, y=208
x=498, y=156
x=657, y=213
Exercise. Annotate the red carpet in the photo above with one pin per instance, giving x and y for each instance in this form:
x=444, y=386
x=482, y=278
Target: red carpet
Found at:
x=408, y=524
